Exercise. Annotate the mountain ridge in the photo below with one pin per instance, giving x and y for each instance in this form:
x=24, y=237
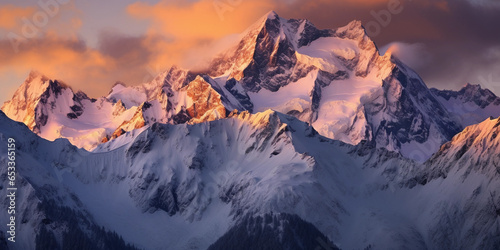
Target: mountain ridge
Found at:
x=334, y=79
x=217, y=174
x=471, y=104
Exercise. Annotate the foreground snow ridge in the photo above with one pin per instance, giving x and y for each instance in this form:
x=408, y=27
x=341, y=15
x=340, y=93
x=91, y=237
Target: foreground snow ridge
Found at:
x=187, y=186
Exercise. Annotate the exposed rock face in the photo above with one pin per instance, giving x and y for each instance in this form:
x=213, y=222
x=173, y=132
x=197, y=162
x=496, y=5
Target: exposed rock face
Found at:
x=475, y=149
x=256, y=177
x=52, y=110
x=273, y=231
x=334, y=79
x=207, y=104
x=24, y=104
x=265, y=176
x=390, y=105
x=471, y=105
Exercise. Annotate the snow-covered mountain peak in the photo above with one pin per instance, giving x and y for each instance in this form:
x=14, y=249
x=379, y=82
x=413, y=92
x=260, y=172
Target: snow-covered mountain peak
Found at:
x=200, y=181
x=117, y=87
x=353, y=30
x=271, y=15
x=261, y=119
x=472, y=104
x=333, y=79
x=476, y=91
x=471, y=86
x=483, y=135
x=37, y=88
x=354, y=25
x=471, y=93
x=51, y=109
x=474, y=150
x=35, y=75
x=37, y=84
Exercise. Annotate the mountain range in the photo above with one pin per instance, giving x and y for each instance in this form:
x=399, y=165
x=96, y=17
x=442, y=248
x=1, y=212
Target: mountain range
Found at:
x=292, y=138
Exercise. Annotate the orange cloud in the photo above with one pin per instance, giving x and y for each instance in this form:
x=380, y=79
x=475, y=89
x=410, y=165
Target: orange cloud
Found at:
x=179, y=33
x=200, y=20
x=308, y=5
x=183, y=33
x=37, y=20
x=191, y=30
x=11, y=15
x=63, y=59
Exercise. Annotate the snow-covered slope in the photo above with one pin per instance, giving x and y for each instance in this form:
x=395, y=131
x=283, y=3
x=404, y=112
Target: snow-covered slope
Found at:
x=472, y=104
x=333, y=79
x=295, y=138
x=189, y=186
x=48, y=215
x=337, y=81
x=180, y=186
x=52, y=110
x=476, y=149
x=465, y=173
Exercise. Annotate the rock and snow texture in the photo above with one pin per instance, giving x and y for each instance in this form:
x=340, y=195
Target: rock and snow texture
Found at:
x=52, y=110
x=312, y=150
x=192, y=186
x=477, y=147
x=465, y=173
x=335, y=80
x=48, y=215
x=179, y=186
x=472, y=104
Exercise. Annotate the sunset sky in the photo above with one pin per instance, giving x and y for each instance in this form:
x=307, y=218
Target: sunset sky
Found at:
x=92, y=44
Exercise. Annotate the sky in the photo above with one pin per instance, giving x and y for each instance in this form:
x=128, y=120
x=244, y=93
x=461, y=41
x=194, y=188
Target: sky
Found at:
x=90, y=45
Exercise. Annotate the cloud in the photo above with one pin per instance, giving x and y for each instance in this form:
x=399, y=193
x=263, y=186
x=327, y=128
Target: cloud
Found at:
x=10, y=15
x=485, y=3
x=63, y=59
x=204, y=19
x=60, y=54
x=454, y=65
x=190, y=33
x=119, y=57
x=52, y=17
x=123, y=47
x=414, y=55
